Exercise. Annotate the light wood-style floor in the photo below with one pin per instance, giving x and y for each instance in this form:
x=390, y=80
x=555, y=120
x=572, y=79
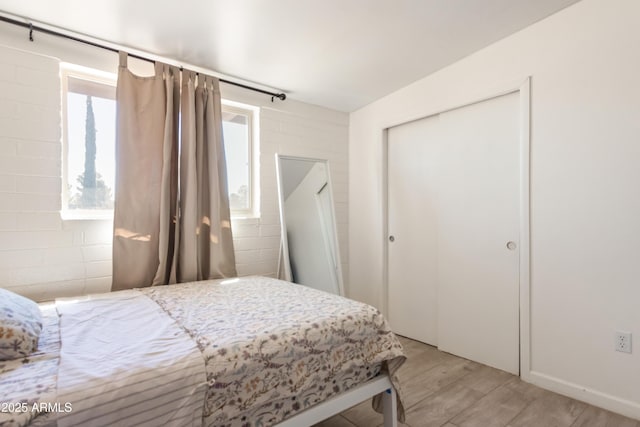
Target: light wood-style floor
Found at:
x=444, y=390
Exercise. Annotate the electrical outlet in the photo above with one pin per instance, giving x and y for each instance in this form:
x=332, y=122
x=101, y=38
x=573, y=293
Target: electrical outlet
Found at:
x=623, y=341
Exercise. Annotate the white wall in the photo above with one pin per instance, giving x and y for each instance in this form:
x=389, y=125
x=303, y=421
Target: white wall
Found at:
x=36, y=246
x=295, y=129
x=585, y=204
x=43, y=256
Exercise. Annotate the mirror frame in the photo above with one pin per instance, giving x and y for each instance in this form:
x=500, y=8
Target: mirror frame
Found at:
x=283, y=259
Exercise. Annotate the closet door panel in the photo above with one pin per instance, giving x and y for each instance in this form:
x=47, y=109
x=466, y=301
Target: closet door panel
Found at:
x=478, y=233
x=414, y=149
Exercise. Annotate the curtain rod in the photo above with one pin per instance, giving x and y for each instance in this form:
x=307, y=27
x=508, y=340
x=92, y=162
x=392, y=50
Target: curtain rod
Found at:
x=282, y=96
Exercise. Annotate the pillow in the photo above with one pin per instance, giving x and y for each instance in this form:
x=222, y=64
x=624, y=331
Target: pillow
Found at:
x=20, y=325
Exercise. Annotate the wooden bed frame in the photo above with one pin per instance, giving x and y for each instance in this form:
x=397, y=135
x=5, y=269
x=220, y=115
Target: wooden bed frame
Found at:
x=343, y=401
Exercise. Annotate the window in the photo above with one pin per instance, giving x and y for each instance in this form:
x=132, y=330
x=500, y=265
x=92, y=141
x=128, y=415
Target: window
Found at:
x=89, y=117
x=238, y=127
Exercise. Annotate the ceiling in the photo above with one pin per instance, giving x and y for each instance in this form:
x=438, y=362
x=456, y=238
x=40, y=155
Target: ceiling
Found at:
x=341, y=54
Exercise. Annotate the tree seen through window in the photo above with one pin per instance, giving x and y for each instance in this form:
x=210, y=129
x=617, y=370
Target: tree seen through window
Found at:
x=91, y=190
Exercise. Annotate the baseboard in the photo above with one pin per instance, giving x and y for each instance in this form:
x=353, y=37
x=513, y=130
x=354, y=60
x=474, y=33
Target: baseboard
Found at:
x=584, y=394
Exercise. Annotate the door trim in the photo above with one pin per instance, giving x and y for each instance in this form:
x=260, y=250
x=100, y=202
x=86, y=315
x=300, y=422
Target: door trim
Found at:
x=524, y=90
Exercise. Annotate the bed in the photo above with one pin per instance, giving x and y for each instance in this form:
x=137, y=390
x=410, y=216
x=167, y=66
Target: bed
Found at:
x=252, y=351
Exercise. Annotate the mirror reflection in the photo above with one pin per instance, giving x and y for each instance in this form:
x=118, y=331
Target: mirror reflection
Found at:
x=309, y=254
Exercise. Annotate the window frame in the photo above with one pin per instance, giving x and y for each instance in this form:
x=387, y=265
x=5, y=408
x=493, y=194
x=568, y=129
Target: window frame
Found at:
x=89, y=77
x=253, y=114
x=92, y=76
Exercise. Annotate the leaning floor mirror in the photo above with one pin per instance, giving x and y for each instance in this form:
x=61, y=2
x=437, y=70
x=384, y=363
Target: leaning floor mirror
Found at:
x=309, y=254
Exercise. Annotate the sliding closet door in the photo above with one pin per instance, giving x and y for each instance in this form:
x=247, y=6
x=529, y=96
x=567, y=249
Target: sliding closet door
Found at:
x=478, y=233
x=453, y=220
x=414, y=150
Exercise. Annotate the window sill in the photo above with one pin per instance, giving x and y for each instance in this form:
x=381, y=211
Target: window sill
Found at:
x=246, y=219
x=108, y=215
x=86, y=215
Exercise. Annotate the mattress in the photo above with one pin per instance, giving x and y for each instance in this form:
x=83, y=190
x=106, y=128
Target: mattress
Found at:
x=268, y=349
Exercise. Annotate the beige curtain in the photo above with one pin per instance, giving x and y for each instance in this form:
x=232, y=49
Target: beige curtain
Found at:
x=166, y=229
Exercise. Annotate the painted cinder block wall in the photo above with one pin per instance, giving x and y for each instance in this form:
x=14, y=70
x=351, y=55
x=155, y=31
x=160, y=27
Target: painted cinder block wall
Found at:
x=44, y=256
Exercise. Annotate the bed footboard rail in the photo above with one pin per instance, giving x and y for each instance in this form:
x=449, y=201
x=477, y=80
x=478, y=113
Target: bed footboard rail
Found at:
x=343, y=401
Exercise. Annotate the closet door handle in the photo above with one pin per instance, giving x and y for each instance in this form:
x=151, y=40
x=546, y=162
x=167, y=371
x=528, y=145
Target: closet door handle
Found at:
x=511, y=245
x=391, y=238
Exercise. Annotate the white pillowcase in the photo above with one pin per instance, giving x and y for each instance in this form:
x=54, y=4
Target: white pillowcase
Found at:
x=20, y=325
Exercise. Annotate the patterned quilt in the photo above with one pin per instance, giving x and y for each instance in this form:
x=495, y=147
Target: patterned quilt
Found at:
x=273, y=348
